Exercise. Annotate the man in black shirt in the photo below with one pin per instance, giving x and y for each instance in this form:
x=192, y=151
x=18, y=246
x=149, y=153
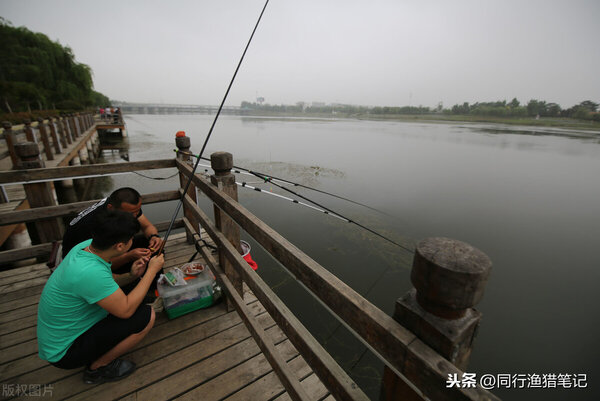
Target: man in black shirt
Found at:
x=124, y=199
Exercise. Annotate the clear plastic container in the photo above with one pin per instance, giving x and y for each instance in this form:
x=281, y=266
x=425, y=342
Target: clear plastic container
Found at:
x=182, y=299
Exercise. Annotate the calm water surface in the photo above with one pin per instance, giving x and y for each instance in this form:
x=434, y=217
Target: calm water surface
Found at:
x=528, y=199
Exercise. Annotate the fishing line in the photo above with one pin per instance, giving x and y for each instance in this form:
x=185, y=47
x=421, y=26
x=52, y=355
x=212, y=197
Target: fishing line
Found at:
x=241, y=170
x=331, y=211
x=245, y=185
x=326, y=210
x=155, y=178
x=189, y=181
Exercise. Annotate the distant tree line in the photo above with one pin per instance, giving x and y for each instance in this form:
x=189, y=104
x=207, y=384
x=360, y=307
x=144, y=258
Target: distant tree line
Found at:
x=586, y=110
x=37, y=73
x=302, y=107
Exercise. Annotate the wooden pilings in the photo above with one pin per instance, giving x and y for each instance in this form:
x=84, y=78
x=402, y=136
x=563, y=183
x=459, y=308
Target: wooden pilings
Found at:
x=223, y=179
x=53, y=136
x=183, y=145
x=222, y=163
x=39, y=194
x=449, y=278
x=11, y=141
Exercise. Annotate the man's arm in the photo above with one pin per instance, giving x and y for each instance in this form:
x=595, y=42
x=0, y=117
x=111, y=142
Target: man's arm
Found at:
x=150, y=232
x=124, y=306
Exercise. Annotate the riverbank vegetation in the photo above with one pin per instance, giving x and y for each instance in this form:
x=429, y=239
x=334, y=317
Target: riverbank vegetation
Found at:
x=536, y=112
x=39, y=76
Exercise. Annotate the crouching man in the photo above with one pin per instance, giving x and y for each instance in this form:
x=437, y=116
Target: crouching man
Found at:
x=84, y=318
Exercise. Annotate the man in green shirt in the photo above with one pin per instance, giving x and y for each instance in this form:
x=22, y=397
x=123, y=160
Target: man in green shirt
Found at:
x=84, y=318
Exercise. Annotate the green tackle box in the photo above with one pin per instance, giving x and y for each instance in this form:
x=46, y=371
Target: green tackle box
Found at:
x=197, y=294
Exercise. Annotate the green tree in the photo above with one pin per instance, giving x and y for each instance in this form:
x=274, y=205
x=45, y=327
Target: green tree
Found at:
x=36, y=72
x=589, y=105
x=536, y=107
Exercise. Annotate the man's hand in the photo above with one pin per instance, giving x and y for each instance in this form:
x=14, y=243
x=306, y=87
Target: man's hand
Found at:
x=139, y=253
x=139, y=267
x=156, y=263
x=155, y=243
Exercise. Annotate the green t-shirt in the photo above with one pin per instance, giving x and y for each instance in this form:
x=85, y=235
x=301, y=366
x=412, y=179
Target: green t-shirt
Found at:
x=68, y=306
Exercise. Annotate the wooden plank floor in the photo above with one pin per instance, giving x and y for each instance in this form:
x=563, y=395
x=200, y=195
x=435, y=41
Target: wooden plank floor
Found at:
x=207, y=354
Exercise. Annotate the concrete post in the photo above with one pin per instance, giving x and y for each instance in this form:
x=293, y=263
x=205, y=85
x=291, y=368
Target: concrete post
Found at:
x=39, y=194
x=222, y=163
x=449, y=278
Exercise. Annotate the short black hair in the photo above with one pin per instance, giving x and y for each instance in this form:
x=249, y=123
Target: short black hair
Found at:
x=113, y=226
x=124, y=195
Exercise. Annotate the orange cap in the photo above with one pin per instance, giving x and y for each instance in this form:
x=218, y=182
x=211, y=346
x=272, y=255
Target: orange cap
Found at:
x=179, y=134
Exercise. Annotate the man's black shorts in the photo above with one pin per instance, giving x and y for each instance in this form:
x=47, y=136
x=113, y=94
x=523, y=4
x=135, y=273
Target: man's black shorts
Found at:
x=102, y=337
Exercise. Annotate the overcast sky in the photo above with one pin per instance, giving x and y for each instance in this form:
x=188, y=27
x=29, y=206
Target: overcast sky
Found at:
x=370, y=52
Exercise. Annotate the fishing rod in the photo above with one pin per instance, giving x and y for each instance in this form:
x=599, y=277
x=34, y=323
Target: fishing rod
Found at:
x=245, y=185
x=241, y=170
x=189, y=181
x=319, y=207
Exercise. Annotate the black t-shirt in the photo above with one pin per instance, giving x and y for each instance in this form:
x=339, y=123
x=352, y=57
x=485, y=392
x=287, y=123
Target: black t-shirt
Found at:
x=80, y=228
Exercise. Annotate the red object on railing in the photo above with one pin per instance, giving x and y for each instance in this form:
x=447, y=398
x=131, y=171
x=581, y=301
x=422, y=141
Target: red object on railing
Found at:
x=252, y=263
x=179, y=134
x=246, y=254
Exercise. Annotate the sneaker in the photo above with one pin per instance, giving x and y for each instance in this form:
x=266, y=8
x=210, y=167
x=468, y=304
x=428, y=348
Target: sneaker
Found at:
x=116, y=370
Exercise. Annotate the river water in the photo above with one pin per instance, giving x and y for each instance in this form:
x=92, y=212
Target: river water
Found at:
x=527, y=197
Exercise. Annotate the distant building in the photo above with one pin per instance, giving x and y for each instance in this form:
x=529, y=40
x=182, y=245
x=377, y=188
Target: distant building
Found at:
x=318, y=104
x=260, y=100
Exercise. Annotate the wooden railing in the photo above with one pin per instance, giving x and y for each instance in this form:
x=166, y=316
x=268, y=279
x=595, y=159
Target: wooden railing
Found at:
x=418, y=362
x=401, y=350
x=53, y=135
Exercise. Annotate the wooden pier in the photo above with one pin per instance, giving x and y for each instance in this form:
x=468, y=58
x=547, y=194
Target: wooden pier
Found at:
x=64, y=141
x=208, y=354
x=251, y=346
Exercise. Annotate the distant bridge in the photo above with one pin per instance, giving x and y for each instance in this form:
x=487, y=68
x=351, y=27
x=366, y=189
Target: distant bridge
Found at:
x=152, y=108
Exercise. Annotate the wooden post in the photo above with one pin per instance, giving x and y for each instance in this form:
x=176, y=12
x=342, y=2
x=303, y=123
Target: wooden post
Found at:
x=81, y=123
x=45, y=140
x=449, y=278
x=68, y=129
x=29, y=134
x=63, y=129
x=183, y=145
x=39, y=194
x=57, y=143
x=77, y=125
x=222, y=163
x=72, y=126
x=90, y=151
x=11, y=141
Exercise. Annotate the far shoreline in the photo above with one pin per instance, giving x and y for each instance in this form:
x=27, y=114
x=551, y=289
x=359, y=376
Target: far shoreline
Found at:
x=542, y=122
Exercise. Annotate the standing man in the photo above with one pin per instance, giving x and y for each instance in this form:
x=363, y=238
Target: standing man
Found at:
x=84, y=318
x=123, y=199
